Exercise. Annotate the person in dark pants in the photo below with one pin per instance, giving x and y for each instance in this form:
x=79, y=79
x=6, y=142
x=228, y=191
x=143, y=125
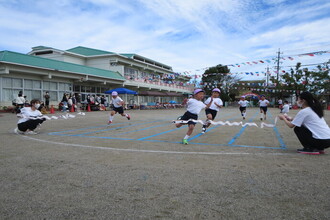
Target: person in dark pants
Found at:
x=30, y=118
x=309, y=125
x=47, y=97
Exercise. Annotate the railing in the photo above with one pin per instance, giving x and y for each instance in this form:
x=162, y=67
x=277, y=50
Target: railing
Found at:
x=146, y=82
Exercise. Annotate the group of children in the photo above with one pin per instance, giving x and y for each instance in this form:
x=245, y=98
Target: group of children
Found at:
x=309, y=124
x=263, y=104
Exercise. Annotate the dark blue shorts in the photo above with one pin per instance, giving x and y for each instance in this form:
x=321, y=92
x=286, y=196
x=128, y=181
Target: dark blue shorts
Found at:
x=187, y=115
x=264, y=109
x=120, y=109
x=212, y=112
x=242, y=109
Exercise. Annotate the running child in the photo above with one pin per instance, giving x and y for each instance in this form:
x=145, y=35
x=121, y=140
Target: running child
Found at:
x=118, y=104
x=212, y=111
x=194, y=106
x=263, y=104
x=242, y=106
x=30, y=118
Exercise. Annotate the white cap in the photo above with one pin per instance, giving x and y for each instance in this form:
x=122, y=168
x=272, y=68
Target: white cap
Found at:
x=114, y=93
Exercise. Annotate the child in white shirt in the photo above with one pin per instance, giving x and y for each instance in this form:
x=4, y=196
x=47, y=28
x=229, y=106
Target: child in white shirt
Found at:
x=194, y=106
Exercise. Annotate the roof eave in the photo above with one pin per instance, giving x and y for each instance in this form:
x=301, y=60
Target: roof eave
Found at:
x=50, y=69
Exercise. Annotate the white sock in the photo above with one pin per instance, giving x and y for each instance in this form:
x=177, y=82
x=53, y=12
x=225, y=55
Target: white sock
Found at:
x=244, y=114
x=110, y=118
x=126, y=115
x=261, y=115
x=186, y=137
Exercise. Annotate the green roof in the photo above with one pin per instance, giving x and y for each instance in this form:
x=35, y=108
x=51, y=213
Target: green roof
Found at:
x=129, y=55
x=85, y=51
x=35, y=61
x=41, y=48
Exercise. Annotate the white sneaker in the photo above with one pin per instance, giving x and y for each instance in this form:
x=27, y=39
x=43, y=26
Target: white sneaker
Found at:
x=31, y=132
x=18, y=131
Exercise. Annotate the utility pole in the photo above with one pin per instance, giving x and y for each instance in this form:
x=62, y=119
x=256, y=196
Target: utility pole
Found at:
x=267, y=76
x=277, y=70
x=278, y=64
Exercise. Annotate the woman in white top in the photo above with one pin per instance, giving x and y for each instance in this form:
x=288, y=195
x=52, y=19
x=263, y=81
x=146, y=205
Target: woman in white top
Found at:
x=309, y=125
x=194, y=107
x=214, y=108
x=30, y=118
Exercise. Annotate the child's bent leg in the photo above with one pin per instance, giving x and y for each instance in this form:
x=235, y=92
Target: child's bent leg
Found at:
x=190, y=129
x=112, y=113
x=178, y=125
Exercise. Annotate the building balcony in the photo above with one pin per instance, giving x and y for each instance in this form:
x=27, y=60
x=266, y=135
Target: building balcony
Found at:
x=158, y=85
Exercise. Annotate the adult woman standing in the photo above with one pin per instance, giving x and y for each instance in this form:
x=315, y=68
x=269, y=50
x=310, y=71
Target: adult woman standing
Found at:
x=309, y=125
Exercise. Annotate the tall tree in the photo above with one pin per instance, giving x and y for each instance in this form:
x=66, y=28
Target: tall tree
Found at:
x=218, y=77
x=301, y=79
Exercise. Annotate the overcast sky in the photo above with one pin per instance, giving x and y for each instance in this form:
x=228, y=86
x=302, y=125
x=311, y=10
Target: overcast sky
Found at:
x=188, y=35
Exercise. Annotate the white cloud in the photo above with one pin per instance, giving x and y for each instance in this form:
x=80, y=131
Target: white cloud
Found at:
x=187, y=35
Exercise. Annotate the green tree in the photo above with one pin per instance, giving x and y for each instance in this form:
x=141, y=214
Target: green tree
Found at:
x=218, y=77
x=301, y=79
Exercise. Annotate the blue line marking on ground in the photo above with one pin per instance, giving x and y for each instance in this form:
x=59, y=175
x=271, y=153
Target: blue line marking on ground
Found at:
x=117, y=128
x=221, y=145
x=241, y=131
x=279, y=138
x=140, y=139
x=282, y=144
x=79, y=129
x=125, y=139
x=162, y=125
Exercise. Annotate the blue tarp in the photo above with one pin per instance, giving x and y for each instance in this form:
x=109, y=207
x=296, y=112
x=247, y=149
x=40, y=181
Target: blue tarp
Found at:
x=121, y=91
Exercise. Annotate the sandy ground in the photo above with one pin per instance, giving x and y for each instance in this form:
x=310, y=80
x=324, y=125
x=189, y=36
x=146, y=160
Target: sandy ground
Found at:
x=81, y=168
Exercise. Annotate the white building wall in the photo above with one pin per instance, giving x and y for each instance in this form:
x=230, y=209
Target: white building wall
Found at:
x=53, y=56
x=72, y=59
x=118, y=68
x=101, y=63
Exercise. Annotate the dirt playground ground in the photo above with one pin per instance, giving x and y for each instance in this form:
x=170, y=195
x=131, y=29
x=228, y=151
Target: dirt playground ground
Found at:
x=81, y=168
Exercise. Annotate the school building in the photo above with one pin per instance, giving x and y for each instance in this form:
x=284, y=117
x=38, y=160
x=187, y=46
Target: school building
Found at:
x=88, y=71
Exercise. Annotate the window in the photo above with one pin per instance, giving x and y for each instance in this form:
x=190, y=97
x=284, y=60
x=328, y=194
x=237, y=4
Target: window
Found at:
x=36, y=84
x=32, y=94
x=28, y=84
x=12, y=83
x=76, y=88
x=53, y=86
x=17, y=83
x=50, y=86
x=7, y=82
x=53, y=96
x=11, y=88
x=64, y=87
x=130, y=72
x=9, y=94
